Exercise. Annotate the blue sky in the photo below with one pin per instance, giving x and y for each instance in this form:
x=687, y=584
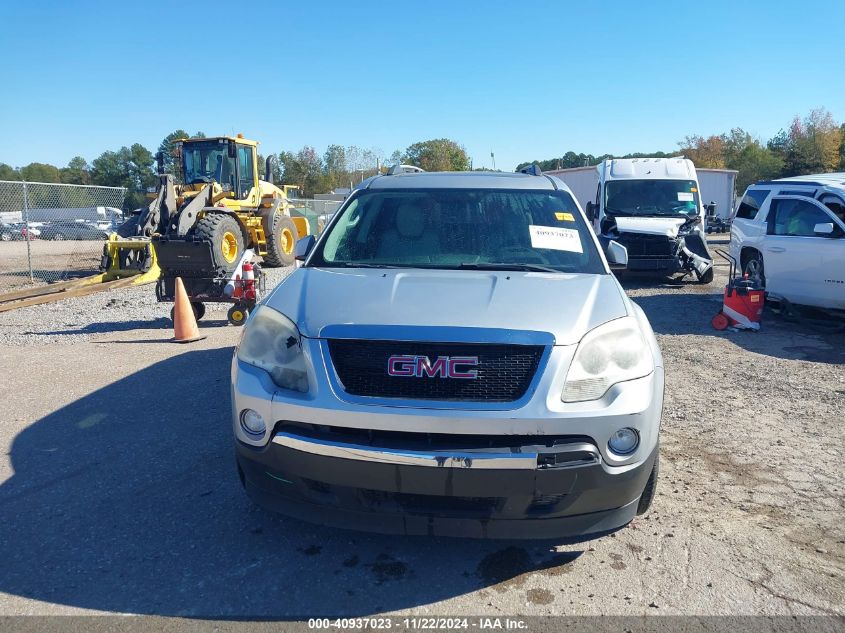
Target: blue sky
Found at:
x=528, y=80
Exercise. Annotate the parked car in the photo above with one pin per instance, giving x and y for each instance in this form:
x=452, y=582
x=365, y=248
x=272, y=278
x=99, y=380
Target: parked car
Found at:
x=453, y=357
x=70, y=230
x=18, y=231
x=789, y=235
x=7, y=232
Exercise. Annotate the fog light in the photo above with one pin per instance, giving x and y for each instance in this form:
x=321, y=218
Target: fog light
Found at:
x=624, y=441
x=252, y=422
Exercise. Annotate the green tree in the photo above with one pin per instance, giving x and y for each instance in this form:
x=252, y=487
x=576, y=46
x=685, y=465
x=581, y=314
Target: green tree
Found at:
x=437, y=155
x=335, y=167
x=7, y=172
x=305, y=170
x=130, y=167
x=40, y=172
x=170, y=160
x=77, y=172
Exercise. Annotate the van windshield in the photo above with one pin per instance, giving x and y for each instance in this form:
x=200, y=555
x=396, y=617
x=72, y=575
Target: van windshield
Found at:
x=651, y=197
x=461, y=229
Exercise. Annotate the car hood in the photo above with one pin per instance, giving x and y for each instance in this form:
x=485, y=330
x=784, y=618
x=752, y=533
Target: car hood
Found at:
x=650, y=226
x=567, y=306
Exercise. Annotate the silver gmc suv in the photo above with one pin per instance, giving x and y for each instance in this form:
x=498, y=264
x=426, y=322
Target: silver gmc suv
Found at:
x=452, y=357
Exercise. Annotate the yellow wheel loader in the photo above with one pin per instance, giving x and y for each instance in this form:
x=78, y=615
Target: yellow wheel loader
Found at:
x=203, y=227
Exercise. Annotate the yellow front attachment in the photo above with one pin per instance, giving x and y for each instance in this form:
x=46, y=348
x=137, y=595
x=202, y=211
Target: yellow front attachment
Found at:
x=130, y=258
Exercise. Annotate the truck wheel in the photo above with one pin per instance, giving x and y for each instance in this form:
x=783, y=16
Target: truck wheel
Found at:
x=650, y=487
x=752, y=266
x=224, y=234
x=707, y=277
x=280, y=242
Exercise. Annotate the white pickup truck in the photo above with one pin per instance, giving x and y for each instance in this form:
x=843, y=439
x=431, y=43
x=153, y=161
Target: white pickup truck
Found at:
x=789, y=235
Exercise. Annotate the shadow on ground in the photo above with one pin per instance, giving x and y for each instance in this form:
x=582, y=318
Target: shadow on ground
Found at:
x=127, y=500
x=107, y=327
x=675, y=311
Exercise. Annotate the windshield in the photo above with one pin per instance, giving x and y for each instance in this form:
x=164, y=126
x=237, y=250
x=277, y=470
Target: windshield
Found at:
x=461, y=228
x=207, y=161
x=651, y=197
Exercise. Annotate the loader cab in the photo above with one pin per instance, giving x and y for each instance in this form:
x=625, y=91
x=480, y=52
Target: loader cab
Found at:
x=230, y=162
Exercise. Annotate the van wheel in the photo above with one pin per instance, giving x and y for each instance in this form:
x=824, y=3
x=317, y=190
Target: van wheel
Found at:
x=650, y=487
x=752, y=266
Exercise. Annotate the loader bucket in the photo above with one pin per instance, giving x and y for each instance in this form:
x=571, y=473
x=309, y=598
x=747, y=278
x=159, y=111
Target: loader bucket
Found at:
x=124, y=258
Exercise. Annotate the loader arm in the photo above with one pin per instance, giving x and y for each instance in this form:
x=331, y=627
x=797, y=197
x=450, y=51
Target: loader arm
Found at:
x=188, y=215
x=161, y=209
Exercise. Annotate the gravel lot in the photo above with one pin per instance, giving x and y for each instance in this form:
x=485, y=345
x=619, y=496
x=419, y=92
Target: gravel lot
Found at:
x=119, y=494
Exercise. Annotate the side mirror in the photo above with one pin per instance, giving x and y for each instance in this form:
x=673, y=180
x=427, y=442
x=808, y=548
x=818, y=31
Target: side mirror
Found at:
x=591, y=210
x=617, y=255
x=823, y=228
x=303, y=247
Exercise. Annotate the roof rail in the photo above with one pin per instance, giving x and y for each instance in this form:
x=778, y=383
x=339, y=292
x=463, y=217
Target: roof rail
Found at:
x=404, y=169
x=532, y=170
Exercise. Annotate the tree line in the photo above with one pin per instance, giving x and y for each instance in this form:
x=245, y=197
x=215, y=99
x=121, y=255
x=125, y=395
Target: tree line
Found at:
x=134, y=167
x=812, y=144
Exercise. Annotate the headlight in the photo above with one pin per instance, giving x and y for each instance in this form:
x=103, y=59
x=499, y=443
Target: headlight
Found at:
x=611, y=353
x=271, y=342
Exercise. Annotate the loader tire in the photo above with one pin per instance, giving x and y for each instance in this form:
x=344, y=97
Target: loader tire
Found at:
x=226, y=238
x=280, y=242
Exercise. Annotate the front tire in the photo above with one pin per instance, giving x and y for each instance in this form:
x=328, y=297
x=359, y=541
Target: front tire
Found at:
x=753, y=267
x=226, y=238
x=58, y=237
x=707, y=277
x=281, y=241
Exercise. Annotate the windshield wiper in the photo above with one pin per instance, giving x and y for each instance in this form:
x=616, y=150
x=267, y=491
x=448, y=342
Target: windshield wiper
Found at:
x=536, y=268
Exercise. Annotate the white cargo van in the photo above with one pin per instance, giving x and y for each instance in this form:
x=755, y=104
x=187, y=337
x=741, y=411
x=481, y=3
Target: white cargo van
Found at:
x=653, y=207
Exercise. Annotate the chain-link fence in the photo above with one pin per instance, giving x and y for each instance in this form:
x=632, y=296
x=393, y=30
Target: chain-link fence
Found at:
x=318, y=212
x=51, y=232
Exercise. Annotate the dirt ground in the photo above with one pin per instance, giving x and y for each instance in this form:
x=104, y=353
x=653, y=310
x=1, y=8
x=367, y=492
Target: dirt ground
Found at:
x=119, y=494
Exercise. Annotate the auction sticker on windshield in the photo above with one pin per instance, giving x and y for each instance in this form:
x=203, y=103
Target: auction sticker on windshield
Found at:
x=555, y=238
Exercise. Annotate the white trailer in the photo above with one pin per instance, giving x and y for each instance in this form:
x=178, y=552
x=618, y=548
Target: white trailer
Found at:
x=717, y=185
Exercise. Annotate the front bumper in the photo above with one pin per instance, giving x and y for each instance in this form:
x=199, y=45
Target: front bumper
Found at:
x=448, y=499
x=442, y=470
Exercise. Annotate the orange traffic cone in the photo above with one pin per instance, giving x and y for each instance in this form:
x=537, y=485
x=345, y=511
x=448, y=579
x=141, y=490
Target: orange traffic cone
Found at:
x=185, y=328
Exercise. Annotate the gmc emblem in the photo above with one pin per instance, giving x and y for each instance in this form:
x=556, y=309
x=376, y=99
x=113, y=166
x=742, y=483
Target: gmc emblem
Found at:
x=443, y=367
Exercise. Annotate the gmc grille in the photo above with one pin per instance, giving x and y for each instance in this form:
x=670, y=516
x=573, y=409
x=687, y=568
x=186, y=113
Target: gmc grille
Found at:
x=504, y=371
